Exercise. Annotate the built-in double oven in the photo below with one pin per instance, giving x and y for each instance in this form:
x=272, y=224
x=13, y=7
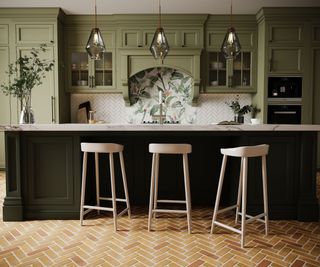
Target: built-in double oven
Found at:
x=284, y=100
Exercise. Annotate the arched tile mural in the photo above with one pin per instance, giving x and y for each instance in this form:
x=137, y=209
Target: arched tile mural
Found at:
x=176, y=89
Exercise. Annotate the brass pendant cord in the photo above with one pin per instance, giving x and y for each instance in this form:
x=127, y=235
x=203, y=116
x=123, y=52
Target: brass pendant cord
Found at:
x=159, y=26
x=95, y=13
x=231, y=15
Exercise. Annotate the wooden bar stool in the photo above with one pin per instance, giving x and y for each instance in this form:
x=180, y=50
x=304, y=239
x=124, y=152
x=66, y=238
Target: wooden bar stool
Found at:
x=106, y=148
x=244, y=153
x=157, y=149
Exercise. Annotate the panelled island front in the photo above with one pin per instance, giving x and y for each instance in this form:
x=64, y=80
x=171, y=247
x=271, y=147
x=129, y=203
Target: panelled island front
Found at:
x=44, y=163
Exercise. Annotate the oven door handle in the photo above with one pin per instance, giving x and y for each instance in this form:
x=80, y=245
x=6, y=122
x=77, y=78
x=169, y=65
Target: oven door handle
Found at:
x=285, y=112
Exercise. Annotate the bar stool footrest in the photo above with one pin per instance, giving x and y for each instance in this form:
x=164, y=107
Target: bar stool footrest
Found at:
x=169, y=211
x=97, y=208
x=173, y=201
x=227, y=209
x=110, y=199
x=227, y=227
x=254, y=218
x=123, y=212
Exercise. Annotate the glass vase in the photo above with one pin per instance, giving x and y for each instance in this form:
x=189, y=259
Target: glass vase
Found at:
x=27, y=114
x=239, y=118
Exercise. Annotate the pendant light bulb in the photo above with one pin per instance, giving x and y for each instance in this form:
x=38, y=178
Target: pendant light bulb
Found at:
x=159, y=47
x=95, y=45
x=231, y=45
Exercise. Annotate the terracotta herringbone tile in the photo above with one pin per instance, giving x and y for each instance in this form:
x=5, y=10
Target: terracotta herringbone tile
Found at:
x=65, y=243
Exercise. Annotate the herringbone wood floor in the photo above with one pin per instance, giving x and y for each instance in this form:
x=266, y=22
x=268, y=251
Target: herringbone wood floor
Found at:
x=65, y=243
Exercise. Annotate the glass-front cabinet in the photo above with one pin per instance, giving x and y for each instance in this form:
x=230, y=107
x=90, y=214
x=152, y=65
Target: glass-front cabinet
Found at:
x=91, y=75
x=224, y=75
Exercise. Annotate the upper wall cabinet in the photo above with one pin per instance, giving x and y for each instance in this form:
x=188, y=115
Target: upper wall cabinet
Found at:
x=285, y=34
x=230, y=76
x=85, y=75
x=4, y=34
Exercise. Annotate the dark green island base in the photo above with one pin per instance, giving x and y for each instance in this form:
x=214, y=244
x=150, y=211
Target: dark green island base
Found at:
x=44, y=171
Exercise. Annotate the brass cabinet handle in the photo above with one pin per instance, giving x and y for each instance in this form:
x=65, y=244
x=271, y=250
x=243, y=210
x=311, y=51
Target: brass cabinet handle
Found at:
x=53, y=110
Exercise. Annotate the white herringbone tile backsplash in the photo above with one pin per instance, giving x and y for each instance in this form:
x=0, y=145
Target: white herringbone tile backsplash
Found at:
x=111, y=108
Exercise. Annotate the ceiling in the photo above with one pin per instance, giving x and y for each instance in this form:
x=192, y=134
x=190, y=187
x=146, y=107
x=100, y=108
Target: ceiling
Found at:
x=151, y=6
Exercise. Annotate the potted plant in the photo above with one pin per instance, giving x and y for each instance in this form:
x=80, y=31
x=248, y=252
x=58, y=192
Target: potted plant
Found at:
x=254, y=111
x=238, y=110
x=24, y=74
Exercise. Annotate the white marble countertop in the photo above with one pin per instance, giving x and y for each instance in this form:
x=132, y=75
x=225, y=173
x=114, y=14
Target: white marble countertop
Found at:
x=158, y=127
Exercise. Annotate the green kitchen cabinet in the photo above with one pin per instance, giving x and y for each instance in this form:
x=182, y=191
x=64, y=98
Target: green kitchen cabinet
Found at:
x=230, y=76
x=285, y=45
x=50, y=190
x=88, y=75
x=85, y=75
x=20, y=31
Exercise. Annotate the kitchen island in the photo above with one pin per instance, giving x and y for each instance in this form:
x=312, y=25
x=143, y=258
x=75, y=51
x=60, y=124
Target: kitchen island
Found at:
x=44, y=162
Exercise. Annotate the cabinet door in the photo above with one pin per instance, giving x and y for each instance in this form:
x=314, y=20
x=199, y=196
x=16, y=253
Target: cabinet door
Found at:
x=43, y=96
x=285, y=60
x=280, y=34
x=79, y=69
x=4, y=34
x=48, y=189
x=227, y=76
x=34, y=33
x=87, y=75
x=131, y=38
x=190, y=38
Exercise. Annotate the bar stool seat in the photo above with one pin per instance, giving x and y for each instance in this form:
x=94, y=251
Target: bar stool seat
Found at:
x=244, y=153
x=104, y=148
x=157, y=149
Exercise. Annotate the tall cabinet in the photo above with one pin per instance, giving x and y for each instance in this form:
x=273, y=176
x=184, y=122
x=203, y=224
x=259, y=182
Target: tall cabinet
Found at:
x=21, y=30
x=284, y=50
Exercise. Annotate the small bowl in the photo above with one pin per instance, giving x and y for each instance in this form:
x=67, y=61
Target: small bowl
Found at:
x=82, y=82
x=216, y=65
x=214, y=83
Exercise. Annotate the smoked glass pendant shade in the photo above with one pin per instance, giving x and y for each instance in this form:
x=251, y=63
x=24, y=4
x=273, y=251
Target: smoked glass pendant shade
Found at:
x=95, y=45
x=231, y=45
x=159, y=46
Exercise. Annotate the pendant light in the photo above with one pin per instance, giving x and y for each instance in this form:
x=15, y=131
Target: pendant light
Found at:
x=159, y=47
x=95, y=45
x=231, y=45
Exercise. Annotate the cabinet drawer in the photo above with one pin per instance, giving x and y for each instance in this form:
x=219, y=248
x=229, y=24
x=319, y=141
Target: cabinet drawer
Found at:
x=4, y=34
x=285, y=34
x=34, y=34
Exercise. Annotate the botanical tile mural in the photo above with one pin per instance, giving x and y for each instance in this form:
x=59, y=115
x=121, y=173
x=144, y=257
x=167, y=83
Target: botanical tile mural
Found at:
x=148, y=86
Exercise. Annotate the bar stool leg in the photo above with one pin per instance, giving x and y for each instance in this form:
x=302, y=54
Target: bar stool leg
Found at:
x=265, y=194
x=221, y=178
x=187, y=190
x=156, y=182
x=151, y=190
x=83, y=185
x=96, y=160
x=239, y=192
x=113, y=191
x=244, y=201
x=124, y=180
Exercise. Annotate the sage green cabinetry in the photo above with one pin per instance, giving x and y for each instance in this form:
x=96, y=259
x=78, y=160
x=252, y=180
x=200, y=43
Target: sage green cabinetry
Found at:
x=177, y=38
x=284, y=42
x=235, y=75
x=20, y=31
x=285, y=47
x=85, y=75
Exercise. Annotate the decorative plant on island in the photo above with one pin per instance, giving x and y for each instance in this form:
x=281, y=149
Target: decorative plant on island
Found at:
x=24, y=74
x=239, y=111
